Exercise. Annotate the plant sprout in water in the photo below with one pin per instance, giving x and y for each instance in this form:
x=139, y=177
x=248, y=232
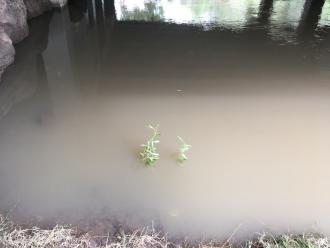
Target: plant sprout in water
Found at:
x=149, y=154
x=183, y=149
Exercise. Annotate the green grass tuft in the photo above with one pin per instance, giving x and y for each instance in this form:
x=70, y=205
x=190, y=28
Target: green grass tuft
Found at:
x=149, y=155
x=182, y=157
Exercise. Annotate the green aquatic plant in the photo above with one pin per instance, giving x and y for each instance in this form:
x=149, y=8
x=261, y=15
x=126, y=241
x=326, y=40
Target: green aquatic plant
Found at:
x=182, y=151
x=149, y=155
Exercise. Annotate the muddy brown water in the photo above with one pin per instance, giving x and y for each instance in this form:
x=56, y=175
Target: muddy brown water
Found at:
x=246, y=83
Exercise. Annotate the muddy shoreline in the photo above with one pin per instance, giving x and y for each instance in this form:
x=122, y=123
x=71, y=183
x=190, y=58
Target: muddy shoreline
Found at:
x=13, y=235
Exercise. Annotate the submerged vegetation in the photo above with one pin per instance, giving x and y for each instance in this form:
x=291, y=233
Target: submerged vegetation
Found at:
x=183, y=149
x=12, y=236
x=149, y=154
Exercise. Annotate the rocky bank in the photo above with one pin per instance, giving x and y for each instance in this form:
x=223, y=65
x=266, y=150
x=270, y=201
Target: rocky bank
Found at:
x=13, y=24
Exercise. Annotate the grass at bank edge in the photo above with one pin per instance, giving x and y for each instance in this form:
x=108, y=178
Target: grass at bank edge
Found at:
x=12, y=236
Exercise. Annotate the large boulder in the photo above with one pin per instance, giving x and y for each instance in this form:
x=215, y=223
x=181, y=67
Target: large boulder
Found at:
x=13, y=24
x=13, y=16
x=7, y=52
x=13, y=28
x=37, y=7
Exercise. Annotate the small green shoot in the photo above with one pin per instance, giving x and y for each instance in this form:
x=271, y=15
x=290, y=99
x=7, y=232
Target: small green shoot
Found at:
x=183, y=149
x=149, y=155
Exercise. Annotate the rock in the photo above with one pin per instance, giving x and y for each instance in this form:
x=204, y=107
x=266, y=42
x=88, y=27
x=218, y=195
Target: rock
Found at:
x=13, y=28
x=13, y=19
x=37, y=7
x=13, y=24
x=7, y=52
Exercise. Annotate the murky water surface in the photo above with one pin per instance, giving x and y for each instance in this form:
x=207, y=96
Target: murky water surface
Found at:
x=245, y=82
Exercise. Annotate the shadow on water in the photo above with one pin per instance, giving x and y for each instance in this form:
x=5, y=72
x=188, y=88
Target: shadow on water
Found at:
x=244, y=82
x=310, y=18
x=27, y=74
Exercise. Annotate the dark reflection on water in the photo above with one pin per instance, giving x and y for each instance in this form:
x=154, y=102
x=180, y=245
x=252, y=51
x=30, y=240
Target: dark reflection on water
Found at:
x=204, y=39
x=24, y=78
x=310, y=18
x=251, y=74
x=184, y=39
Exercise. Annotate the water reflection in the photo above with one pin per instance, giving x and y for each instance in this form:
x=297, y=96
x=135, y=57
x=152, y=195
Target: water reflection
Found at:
x=232, y=13
x=221, y=74
x=310, y=17
x=265, y=11
x=77, y=9
x=27, y=74
x=96, y=48
x=151, y=11
x=325, y=15
x=281, y=18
